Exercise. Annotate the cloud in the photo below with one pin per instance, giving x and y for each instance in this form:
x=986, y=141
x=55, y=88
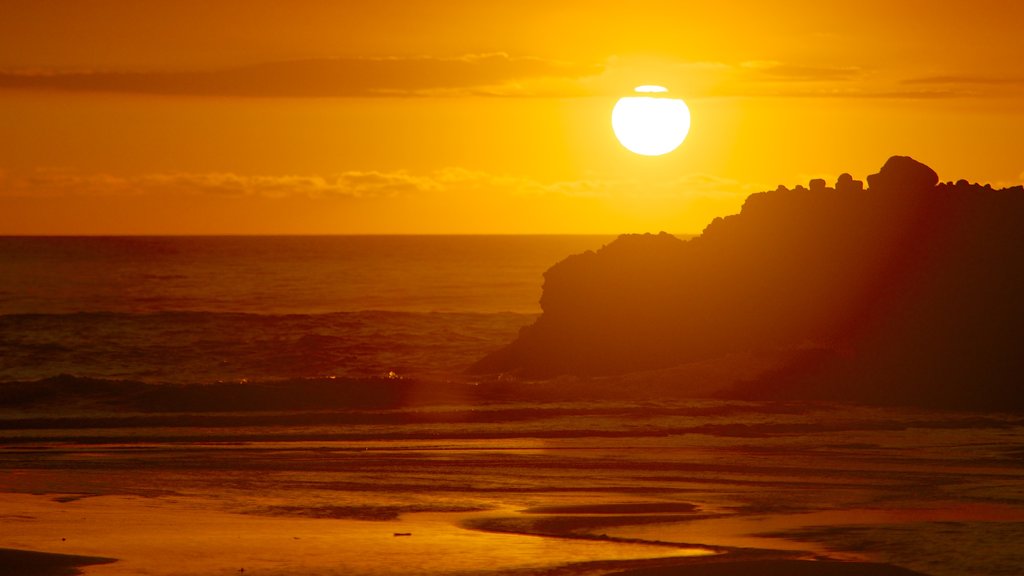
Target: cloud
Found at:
x=967, y=79
x=355, y=185
x=708, y=185
x=336, y=77
x=872, y=93
x=502, y=75
x=973, y=85
x=791, y=79
x=774, y=70
x=715, y=79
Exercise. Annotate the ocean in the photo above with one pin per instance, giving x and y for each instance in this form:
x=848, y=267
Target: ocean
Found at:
x=209, y=309
x=299, y=406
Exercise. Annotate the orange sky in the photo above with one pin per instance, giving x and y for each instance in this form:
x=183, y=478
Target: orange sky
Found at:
x=253, y=117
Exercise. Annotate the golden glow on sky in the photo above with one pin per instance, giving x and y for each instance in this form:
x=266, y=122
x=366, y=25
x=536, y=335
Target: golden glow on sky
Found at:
x=478, y=117
x=649, y=125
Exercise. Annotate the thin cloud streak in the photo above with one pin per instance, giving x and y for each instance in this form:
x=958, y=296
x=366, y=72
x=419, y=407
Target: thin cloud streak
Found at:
x=500, y=75
x=968, y=79
x=795, y=72
x=323, y=78
x=354, y=185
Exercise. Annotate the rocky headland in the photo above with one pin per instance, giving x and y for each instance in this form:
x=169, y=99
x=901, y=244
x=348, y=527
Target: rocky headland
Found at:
x=906, y=291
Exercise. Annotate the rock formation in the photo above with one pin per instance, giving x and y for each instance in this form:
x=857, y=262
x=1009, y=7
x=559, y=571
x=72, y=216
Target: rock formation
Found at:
x=908, y=291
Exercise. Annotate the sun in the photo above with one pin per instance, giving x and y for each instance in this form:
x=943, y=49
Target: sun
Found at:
x=652, y=124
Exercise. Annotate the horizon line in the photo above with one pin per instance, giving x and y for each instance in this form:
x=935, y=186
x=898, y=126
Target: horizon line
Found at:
x=335, y=234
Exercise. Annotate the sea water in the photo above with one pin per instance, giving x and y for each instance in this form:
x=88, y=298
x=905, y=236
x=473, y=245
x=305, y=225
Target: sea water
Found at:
x=206, y=309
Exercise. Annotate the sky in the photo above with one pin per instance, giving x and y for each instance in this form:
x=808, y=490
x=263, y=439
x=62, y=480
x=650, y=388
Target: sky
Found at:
x=456, y=117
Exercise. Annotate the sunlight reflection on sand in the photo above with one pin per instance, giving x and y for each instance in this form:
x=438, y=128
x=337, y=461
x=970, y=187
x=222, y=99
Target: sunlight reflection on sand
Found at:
x=539, y=490
x=189, y=538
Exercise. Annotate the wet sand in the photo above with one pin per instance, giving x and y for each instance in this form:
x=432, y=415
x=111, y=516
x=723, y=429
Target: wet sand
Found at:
x=175, y=536
x=773, y=568
x=183, y=535
x=580, y=490
x=169, y=536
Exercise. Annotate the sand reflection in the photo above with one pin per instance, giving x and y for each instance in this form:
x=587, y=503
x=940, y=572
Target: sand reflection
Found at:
x=189, y=538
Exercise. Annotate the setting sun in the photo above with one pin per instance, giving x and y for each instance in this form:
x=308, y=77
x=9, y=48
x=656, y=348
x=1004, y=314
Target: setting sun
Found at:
x=652, y=124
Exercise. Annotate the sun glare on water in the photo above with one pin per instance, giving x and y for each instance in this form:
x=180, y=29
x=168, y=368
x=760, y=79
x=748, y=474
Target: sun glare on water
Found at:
x=652, y=123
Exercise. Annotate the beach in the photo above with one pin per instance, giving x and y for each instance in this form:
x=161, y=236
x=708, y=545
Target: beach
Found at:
x=584, y=488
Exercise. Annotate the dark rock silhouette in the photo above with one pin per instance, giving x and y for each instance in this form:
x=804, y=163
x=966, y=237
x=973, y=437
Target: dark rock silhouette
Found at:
x=908, y=292
x=903, y=173
x=846, y=183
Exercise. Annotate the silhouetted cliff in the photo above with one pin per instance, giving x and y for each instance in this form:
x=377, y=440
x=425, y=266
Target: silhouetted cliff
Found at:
x=909, y=291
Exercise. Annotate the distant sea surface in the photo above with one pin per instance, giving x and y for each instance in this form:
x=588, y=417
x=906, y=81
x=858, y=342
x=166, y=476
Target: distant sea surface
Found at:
x=205, y=309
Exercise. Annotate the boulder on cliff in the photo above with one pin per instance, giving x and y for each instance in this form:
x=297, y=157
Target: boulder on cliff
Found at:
x=901, y=173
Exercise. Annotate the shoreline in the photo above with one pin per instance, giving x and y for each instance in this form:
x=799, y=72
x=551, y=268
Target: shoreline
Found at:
x=225, y=541
x=586, y=489
x=735, y=563
x=36, y=563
